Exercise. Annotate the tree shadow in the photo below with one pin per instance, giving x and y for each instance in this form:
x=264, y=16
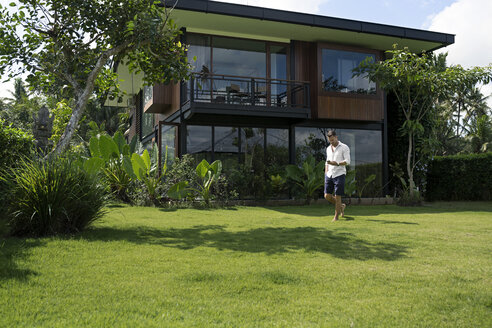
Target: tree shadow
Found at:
x=201, y=208
x=392, y=222
x=318, y=210
x=261, y=240
x=11, y=251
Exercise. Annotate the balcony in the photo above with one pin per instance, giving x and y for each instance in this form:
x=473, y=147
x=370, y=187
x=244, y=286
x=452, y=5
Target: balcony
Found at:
x=247, y=96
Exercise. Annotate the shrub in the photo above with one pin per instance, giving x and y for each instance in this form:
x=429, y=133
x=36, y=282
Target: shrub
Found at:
x=367, y=186
x=460, y=177
x=51, y=197
x=207, y=175
x=15, y=143
x=182, y=169
x=410, y=198
x=222, y=190
x=309, y=178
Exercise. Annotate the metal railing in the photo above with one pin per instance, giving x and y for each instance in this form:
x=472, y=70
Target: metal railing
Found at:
x=247, y=91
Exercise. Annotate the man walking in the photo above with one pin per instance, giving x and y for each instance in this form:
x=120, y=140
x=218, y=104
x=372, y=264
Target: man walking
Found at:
x=337, y=157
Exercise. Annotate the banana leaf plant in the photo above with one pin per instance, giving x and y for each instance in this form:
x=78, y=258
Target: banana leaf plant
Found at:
x=144, y=168
x=207, y=174
x=111, y=157
x=309, y=177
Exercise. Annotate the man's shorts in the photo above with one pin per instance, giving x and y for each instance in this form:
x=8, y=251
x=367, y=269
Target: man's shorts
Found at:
x=335, y=185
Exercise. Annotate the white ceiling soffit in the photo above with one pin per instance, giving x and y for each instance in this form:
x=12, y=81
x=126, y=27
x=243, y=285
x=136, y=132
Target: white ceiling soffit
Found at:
x=207, y=23
x=130, y=83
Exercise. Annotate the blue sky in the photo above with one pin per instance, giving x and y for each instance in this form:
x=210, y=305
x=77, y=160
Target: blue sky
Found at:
x=407, y=13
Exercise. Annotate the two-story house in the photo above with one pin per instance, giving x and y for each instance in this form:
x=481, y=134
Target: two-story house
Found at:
x=268, y=83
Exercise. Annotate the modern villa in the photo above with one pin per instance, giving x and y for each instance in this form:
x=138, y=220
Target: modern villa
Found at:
x=266, y=86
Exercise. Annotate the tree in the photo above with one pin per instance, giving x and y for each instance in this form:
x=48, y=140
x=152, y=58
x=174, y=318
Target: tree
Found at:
x=21, y=108
x=417, y=82
x=73, y=45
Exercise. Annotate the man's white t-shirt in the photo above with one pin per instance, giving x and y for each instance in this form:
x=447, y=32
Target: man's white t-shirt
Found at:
x=340, y=153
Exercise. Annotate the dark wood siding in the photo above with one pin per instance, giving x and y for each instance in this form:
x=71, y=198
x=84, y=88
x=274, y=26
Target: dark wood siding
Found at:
x=350, y=108
x=165, y=99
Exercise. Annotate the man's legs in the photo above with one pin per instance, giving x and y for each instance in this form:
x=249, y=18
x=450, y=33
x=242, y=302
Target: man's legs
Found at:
x=331, y=191
x=339, y=184
x=338, y=207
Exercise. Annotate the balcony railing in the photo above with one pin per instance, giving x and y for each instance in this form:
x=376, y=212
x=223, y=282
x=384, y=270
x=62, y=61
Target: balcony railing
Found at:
x=248, y=91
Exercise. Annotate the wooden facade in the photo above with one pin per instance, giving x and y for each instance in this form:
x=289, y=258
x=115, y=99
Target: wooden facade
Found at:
x=333, y=105
x=165, y=99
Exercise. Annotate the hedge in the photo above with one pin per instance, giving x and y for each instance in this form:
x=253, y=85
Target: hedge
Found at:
x=15, y=144
x=460, y=177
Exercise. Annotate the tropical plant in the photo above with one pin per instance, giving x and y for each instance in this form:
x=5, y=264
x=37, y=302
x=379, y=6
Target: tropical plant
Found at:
x=54, y=196
x=15, y=143
x=112, y=157
x=207, y=175
x=350, y=183
x=309, y=178
x=367, y=181
x=144, y=168
x=278, y=184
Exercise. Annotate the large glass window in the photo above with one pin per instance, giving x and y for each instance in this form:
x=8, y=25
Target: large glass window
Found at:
x=278, y=64
x=366, y=153
x=147, y=124
x=168, y=144
x=337, y=72
x=226, y=146
x=199, y=142
x=277, y=151
x=239, y=57
x=199, y=48
x=252, y=146
x=148, y=120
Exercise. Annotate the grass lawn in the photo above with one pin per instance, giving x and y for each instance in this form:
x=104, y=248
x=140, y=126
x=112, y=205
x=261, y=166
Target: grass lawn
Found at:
x=382, y=266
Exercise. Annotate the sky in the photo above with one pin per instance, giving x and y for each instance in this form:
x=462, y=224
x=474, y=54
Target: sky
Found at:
x=469, y=20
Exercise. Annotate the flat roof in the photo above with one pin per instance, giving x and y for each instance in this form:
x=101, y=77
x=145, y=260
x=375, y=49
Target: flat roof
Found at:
x=279, y=25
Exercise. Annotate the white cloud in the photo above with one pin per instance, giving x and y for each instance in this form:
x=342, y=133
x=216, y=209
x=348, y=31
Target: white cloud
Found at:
x=471, y=21
x=306, y=6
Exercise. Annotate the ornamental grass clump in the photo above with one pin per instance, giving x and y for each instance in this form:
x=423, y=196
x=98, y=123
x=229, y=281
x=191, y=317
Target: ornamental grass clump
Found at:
x=50, y=197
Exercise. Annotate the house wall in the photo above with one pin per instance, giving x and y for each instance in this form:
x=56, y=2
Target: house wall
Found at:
x=334, y=105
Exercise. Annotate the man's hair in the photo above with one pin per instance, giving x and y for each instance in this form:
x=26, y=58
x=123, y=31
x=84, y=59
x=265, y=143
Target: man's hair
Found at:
x=331, y=133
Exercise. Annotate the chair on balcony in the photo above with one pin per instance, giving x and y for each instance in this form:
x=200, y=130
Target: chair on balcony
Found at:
x=234, y=94
x=261, y=95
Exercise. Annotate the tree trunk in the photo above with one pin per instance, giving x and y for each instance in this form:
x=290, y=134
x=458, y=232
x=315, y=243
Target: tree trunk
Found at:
x=81, y=101
x=411, y=183
x=82, y=96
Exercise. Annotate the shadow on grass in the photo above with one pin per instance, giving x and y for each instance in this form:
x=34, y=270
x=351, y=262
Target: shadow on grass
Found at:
x=198, y=207
x=374, y=210
x=11, y=251
x=392, y=222
x=261, y=240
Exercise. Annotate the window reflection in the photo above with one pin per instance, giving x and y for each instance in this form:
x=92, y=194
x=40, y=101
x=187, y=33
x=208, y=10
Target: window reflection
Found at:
x=241, y=59
x=337, y=72
x=365, y=152
x=168, y=139
x=277, y=151
x=199, y=142
x=252, y=145
x=147, y=124
x=226, y=146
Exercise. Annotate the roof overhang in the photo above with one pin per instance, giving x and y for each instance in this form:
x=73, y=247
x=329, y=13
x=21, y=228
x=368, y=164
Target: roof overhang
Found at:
x=129, y=83
x=219, y=18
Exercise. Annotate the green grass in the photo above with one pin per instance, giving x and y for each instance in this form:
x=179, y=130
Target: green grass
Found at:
x=384, y=266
